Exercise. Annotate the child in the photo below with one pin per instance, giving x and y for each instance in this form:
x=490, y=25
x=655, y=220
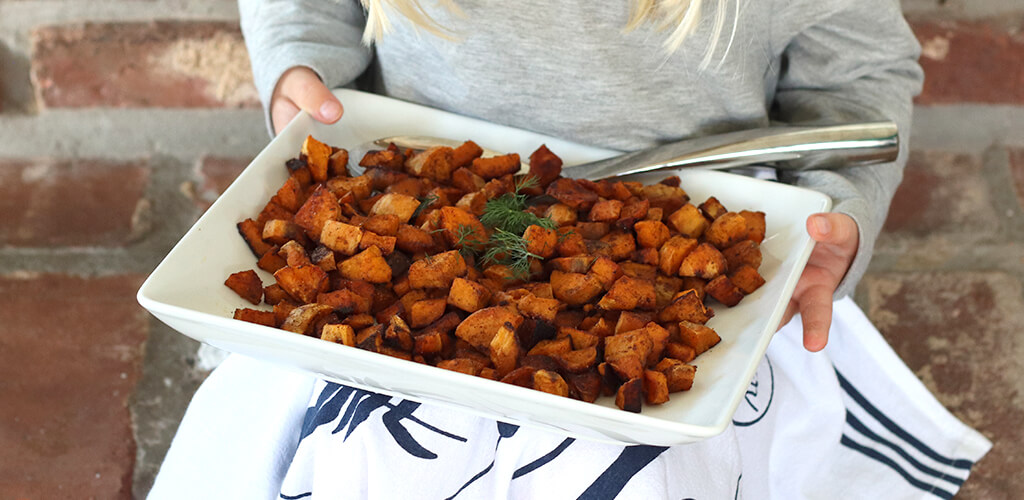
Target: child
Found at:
x=624, y=75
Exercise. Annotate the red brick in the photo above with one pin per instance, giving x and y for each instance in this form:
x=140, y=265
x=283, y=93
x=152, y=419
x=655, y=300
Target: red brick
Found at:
x=941, y=193
x=70, y=356
x=978, y=62
x=960, y=333
x=1017, y=169
x=215, y=175
x=69, y=203
x=161, y=64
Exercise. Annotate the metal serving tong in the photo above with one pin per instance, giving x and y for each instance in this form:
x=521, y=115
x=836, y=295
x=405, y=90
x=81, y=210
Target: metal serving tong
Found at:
x=788, y=147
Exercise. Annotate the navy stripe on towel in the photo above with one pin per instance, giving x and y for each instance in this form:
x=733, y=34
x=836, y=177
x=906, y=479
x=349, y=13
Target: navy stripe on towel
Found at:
x=875, y=455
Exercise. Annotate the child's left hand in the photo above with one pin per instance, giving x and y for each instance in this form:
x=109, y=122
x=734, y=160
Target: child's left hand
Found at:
x=836, y=236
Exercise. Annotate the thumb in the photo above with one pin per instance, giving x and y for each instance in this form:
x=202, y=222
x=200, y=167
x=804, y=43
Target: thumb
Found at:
x=305, y=89
x=833, y=229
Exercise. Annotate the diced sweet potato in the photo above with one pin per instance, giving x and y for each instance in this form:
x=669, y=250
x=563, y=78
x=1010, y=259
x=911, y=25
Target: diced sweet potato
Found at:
x=575, y=264
x=561, y=214
x=747, y=279
x=317, y=157
x=682, y=352
x=273, y=211
x=667, y=198
x=755, y=225
x=435, y=163
x=437, y=271
x=290, y=195
x=705, y=261
x=585, y=386
x=320, y=207
x=504, y=349
x=272, y=294
x=545, y=166
x=324, y=258
x=578, y=361
x=474, y=203
x=651, y=234
x=339, y=334
x=467, y=181
x=383, y=224
x=252, y=233
x=414, y=240
x=696, y=284
x=634, y=210
x=462, y=228
x=606, y=271
x=480, y=327
x=629, y=397
x=672, y=253
x=540, y=241
x=593, y=230
x=712, y=208
x=621, y=245
x=655, y=387
x=575, y=289
x=571, y=193
x=246, y=284
x=425, y=312
x=569, y=242
x=550, y=382
x=368, y=265
x=628, y=352
x=666, y=287
x=337, y=163
x=744, y=253
x=496, y=166
x=341, y=237
x=551, y=347
x=265, y=318
x=279, y=232
x=698, y=336
x=723, y=290
x=465, y=154
x=688, y=221
x=398, y=335
x=639, y=271
x=628, y=294
x=302, y=318
x=303, y=283
x=359, y=187
x=462, y=365
x=345, y=301
x=429, y=344
x=294, y=254
x=685, y=306
x=727, y=230
x=391, y=158
x=605, y=211
x=386, y=244
x=468, y=295
x=397, y=204
x=679, y=376
x=535, y=307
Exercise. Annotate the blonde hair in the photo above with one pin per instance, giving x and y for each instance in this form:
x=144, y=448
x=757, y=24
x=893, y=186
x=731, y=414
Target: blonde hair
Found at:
x=678, y=17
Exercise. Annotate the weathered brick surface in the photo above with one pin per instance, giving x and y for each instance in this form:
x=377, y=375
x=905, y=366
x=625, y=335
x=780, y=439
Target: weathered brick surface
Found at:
x=70, y=354
x=158, y=64
x=960, y=333
x=215, y=175
x=942, y=193
x=1017, y=170
x=48, y=203
x=977, y=62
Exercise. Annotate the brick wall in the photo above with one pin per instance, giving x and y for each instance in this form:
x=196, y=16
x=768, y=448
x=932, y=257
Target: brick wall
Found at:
x=121, y=120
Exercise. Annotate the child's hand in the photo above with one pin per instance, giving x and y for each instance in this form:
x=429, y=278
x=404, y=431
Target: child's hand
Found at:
x=300, y=88
x=836, y=238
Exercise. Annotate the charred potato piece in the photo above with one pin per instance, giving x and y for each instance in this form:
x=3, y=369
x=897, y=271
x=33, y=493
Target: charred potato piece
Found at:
x=265, y=318
x=437, y=271
x=628, y=294
x=467, y=295
x=705, y=261
x=247, y=284
x=575, y=289
x=479, y=328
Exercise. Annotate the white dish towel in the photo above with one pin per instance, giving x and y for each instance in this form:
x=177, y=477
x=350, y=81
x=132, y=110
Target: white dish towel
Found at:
x=849, y=422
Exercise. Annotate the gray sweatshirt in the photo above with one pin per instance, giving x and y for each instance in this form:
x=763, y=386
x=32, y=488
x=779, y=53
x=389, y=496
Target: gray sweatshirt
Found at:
x=565, y=68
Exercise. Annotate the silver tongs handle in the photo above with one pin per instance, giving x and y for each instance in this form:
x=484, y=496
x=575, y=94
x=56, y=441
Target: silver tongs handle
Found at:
x=790, y=147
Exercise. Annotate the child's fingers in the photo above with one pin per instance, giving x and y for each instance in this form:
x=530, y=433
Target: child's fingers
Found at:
x=305, y=89
x=816, y=313
x=834, y=229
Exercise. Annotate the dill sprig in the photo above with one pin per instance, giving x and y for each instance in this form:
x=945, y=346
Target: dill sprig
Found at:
x=508, y=211
x=425, y=202
x=509, y=249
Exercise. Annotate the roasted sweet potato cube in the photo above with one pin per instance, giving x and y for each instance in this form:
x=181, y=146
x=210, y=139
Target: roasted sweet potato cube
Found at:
x=391, y=158
x=571, y=193
x=678, y=375
x=504, y=349
x=279, y=232
x=386, y=244
x=575, y=264
x=337, y=163
x=398, y=335
x=368, y=265
x=727, y=230
x=468, y=295
x=411, y=297
x=437, y=271
x=246, y=284
x=540, y=241
x=252, y=233
x=341, y=237
x=496, y=166
x=339, y=334
x=522, y=376
x=302, y=318
x=638, y=270
x=425, y=312
x=744, y=253
x=628, y=352
x=550, y=382
x=705, y=261
x=633, y=211
x=672, y=253
x=679, y=351
x=535, y=307
x=272, y=294
x=606, y=271
x=414, y=240
x=667, y=198
x=294, y=254
x=651, y=234
x=630, y=395
x=724, y=290
x=317, y=157
x=464, y=155
x=561, y=214
x=273, y=211
x=462, y=228
x=497, y=187
x=290, y=195
x=545, y=166
x=265, y=318
x=324, y=258
x=579, y=360
x=382, y=224
x=628, y=294
x=583, y=339
x=584, y=386
x=304, y=282
x=605, y=211
x=282, y=309
x=429, y=344
x=474, y=202
x=747, y=279
x=755, y=225
x=647, y=257
x=685, y=306
x=621, y=245
x=655, y=387
x=345, y=301
x=688, y=221
x=712, y=208
x=359, y=321
x=480, y=327
x=659, y=338
x=359, y=187
x=435, y=163
x=462, y=365
x=397, y=204
x=445, y=325
x=631, y=320
x=575, y=289
x=696, y=284
x=666, y=287
x=569, y=242
x=698, y=336
x=551, y=347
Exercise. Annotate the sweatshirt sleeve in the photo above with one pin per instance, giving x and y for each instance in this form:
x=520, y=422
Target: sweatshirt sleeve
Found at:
x=845, y=61
x=324, y=35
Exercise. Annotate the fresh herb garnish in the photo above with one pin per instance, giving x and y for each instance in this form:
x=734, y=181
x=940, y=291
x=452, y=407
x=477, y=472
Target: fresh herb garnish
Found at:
x=509, y=250
x=425, y=202
x=508, y=211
